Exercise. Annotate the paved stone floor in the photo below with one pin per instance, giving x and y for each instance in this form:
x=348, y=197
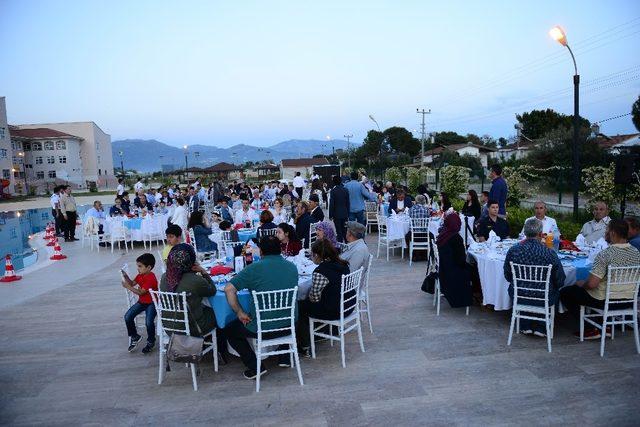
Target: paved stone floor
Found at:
x=63, y=361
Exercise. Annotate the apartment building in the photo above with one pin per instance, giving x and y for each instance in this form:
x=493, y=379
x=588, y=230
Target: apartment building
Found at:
x=6, y=153
x=77, y=153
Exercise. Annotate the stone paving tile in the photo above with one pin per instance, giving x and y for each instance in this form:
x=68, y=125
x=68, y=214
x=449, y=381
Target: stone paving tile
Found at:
x=63, y=361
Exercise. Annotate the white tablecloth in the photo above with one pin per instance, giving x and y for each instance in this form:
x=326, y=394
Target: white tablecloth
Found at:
x=398, y=226
x=149, y=224
x=495, y=288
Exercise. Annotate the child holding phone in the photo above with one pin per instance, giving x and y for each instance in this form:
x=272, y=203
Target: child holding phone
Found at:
x=141, y=285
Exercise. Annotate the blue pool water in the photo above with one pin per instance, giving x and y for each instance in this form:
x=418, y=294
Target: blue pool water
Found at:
x=15, y=229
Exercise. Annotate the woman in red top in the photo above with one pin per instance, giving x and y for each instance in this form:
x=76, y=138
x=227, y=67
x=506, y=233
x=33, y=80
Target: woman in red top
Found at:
x=141, y=285
x=289, y=243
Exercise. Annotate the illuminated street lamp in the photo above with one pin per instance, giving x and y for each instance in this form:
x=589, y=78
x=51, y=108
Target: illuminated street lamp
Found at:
x=24, y=171
x=558, y=34
x=186, y=161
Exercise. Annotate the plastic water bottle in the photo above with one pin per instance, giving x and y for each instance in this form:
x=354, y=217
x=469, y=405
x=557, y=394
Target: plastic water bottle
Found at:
x=556, y=239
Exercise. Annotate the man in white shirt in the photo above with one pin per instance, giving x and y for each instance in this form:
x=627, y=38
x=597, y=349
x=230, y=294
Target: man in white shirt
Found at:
x=55, y=210
x=120, y=188
x=298, y=184
x=549, y=224
x=138, y=186
x=245, y=214
x=595, y=229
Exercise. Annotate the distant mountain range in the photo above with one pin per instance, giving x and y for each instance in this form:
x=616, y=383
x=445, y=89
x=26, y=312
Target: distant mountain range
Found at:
x=147, y=155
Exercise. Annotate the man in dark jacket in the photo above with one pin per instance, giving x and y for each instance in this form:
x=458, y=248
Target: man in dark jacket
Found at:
x=316, y=211
x=339, y=207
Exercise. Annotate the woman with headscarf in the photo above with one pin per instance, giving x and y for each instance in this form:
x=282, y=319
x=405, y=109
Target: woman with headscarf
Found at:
x=325, y=230
x=455, y=278
x=184, y=275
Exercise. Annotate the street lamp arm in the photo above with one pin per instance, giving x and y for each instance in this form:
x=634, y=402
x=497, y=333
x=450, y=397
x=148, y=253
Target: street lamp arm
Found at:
x=575, y=67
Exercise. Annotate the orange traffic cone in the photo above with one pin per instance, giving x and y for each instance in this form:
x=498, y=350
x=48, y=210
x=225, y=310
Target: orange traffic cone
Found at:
x=9, y=273
x=52, y=240
x=48, y=232
x=57, y=252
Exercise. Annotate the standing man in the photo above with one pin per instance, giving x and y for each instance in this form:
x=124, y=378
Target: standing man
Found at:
x=358, y=193
x=339, y=206
x=120, y=188
x=138, y=186
x=193, y=202
x=499, y=189
x=55, y=210
x=298, y=184
x=69, y=213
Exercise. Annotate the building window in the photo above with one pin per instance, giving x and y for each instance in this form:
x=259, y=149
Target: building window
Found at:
x=36, y=146
x=27, y=146
x=1, y=132
x=61, y=145
x=98, y=159
x=13, y=233
x=97, y=146
x=52, y=174
x=44, y=216
x=40, y=175
x=99, y=171
x=48, y=145
x=51, y=160
x=6, y=173
x=62, y=159
x=3, y=153
x=39, y=160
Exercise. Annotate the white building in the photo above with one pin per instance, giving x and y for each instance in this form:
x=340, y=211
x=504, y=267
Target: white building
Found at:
x=485, y=154
x=6, y=152
x=289, y=167
x=517, y=150
x=76, y=152
x=48, y=157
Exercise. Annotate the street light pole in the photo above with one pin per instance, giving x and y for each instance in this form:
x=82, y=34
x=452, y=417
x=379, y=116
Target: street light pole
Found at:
x=559, y=35
x=24, y=171
x=161, y=172
x=422, y=132
x=186, y=162
x=349, y=136
x=120, y=153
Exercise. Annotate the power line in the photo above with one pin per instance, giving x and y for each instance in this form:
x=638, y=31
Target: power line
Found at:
x=613, y=118
x=552, y=59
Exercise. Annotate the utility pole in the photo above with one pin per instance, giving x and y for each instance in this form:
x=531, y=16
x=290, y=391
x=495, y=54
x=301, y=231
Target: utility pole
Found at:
x=349, y=136
x=423, y=132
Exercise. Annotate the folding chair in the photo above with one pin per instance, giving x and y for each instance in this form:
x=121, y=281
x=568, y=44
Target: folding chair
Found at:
x=348, y=321
x=173, y=316
x=621, y=301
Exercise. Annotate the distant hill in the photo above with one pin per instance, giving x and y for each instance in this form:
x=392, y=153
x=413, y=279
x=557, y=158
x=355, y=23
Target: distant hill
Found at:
x=147, y=155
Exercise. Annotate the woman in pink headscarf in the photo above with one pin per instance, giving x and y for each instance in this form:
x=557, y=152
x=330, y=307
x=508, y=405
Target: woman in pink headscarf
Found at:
x=455, y=278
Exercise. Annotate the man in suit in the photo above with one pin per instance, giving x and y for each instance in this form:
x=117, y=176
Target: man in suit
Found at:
x=339, y=207
x=316, y=211
x=400, y=202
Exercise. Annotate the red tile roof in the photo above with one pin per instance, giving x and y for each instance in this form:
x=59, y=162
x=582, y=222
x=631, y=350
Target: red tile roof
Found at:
x=292, y=163
x=607, y=142
x=40, y=133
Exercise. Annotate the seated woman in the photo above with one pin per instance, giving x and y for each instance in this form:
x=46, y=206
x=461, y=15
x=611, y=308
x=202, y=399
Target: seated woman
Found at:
x=201, y=232
x=289, y=243
x=266, y=222
x=324, y=296
x=455, y=276
x=445, y=204
x=325, y=230
x=303, y=222
x=184, y=275
x=278, y=211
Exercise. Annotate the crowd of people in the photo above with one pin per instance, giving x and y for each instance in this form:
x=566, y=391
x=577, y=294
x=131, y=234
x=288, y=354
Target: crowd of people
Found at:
x=340, y=246
x=270, y=206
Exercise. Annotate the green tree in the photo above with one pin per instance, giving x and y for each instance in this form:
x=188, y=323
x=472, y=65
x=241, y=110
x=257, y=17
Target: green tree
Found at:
x=538, y=123
x=455, y=180
x=502, y=142
x=449, y=138
x=635, y=113
x=402, y=141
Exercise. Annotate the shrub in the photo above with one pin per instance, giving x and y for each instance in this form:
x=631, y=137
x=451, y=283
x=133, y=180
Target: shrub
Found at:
x=393, y=174
x=454, y=180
